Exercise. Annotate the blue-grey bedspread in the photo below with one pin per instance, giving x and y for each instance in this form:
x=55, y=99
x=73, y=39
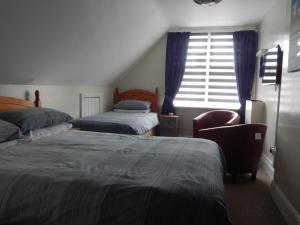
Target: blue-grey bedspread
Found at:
x=89, y=178
x=118, y=122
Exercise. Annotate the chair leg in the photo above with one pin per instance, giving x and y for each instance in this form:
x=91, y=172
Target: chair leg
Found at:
x=253, y=177
x=233, y=178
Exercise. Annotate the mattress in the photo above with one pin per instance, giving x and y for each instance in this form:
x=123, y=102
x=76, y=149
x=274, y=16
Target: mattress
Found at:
x=89, y=178
x=118, y=122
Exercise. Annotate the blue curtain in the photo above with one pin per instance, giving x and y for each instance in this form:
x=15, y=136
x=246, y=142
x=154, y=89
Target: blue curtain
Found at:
x=245, y=47
x=177, y=46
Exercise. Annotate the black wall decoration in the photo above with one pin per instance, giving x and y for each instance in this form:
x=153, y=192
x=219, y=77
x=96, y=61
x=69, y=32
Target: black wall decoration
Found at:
x=271, y=66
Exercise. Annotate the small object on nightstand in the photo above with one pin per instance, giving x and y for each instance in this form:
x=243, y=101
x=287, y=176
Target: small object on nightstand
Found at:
x=169, y=125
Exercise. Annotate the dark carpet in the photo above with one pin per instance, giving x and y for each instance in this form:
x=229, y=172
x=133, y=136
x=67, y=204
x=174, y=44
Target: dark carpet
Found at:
x=250, y=202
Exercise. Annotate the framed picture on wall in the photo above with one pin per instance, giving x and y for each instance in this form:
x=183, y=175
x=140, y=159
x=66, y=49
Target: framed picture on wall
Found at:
x=294, y=52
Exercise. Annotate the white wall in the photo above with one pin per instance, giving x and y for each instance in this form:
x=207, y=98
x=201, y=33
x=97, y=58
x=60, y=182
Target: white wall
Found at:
x=274, y=30
x=148, y=73
x=64, y=98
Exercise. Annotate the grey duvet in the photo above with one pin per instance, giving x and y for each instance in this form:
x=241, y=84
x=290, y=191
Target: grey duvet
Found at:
x=88, y=178
x=118, y=122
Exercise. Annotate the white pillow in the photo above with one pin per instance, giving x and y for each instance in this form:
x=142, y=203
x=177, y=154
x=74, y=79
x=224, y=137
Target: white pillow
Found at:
x=48, y=131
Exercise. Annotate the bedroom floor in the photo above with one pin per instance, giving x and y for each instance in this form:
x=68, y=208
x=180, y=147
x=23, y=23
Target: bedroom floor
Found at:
x=250, y=203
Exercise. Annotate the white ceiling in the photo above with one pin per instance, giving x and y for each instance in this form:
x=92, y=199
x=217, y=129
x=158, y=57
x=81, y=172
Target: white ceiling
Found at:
x=93, y=42
x=185, y=13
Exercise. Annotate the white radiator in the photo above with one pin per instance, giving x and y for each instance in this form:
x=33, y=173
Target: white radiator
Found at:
x=255, y=112
x=90, y=105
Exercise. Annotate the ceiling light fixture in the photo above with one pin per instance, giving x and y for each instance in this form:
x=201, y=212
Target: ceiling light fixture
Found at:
x=207, y=2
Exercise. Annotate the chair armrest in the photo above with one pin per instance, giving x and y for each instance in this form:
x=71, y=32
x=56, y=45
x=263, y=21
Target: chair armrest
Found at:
x=200, y=122
x=221, y=135
x=199, y=117
x=234, y=121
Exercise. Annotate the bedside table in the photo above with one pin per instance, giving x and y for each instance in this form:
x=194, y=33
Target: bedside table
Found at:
x=169, y=125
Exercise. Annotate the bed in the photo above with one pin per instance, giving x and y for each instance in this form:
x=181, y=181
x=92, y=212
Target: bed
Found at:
x=81, y=177
x=124, y=122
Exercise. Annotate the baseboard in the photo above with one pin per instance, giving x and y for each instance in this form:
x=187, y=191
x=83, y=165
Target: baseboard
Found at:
x=267, y=166
x=286, y=208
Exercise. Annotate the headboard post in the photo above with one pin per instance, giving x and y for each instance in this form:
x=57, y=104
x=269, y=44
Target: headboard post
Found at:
x=37, y=102
x=10, y=103
x=116, y=95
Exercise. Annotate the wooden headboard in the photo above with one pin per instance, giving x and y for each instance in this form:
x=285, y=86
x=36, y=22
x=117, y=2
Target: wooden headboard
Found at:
x=138, y=94
x=9, y=103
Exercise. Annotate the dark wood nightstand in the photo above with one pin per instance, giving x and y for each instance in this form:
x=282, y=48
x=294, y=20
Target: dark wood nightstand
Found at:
x=169, y=125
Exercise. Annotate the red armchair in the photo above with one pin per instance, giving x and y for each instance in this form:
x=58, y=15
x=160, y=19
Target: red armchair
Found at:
x=215, y=118
x=242, y=146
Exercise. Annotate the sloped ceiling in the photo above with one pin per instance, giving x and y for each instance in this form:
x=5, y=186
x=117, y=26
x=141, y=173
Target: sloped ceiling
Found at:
x=74, y=42
x=93, y=42
x=185, y=13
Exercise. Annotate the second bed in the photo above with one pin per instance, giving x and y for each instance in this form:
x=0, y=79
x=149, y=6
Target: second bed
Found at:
x=125, y=121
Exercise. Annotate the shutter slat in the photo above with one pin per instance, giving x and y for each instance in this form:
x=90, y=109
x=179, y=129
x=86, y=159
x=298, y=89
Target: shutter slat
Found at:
x=193, y=86
x=231, y=80
x=228, y=98
x=189, y=67
x=269, y=74
x=215, y=73
x=221, y=60
x=194, y=77
x=221, y=54
x=217, y=47
x=211, y=86
x=197, y=47
x=270, y=67
x=221, y=67
x=218, y=90
x=195, y=60
x=204, y=41
x=194, y=73
x=221, y=39
x=271, y=60
x=193, y=80
x=195, y=70
x=197, y=54
x=190, y=96
x=193, y=93
x=221, y=94
x=192, y=90
x=190, y=99
x=223, y=100
x=213, y=34
x=223, y=84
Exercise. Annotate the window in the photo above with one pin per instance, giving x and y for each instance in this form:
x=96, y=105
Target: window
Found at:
x=209, y=79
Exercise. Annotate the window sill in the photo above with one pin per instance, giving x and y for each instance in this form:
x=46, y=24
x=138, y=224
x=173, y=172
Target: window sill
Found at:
x=207, y=107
